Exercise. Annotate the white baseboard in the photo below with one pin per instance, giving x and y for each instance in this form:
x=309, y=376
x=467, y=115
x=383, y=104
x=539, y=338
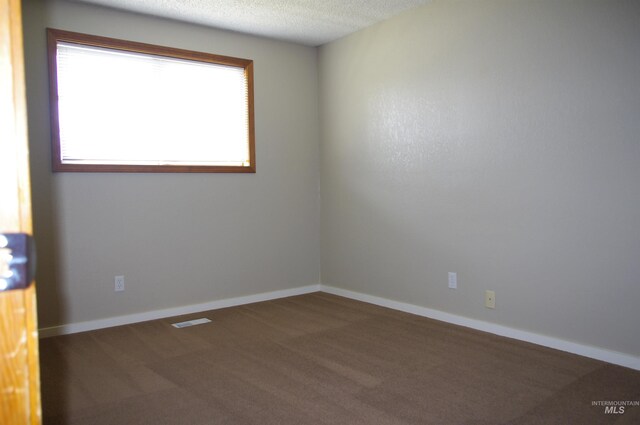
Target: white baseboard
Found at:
x=603, y=354
x=176, y=311
x=597, y=353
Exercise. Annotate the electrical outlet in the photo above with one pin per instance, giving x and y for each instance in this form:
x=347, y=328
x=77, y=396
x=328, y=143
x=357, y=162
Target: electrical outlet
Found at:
x=490, y=299
x=453, y=280
x=119, y=283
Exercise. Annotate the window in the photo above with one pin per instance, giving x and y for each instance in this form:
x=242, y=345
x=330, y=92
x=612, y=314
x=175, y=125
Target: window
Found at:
x=132, y=107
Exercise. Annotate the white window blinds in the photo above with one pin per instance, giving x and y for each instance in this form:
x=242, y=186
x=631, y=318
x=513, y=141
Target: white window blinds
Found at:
x=119, y=107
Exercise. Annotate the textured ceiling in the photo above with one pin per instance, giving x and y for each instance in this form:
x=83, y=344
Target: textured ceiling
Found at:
x=309, y=22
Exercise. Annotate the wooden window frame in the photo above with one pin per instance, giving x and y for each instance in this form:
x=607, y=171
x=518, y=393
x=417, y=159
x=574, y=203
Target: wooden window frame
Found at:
x=54, y=36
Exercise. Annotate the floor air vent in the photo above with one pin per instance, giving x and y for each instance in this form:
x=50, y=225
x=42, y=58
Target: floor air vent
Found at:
x=190, y=323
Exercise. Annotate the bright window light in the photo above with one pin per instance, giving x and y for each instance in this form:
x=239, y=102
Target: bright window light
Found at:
x=124, y=106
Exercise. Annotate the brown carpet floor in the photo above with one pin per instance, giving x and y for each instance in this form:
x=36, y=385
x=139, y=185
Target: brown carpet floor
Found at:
x=321, y=359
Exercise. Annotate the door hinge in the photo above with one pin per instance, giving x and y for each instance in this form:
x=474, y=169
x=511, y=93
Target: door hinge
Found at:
x=17, y=261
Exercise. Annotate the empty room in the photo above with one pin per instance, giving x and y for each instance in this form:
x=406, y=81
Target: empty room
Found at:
x=331, y=212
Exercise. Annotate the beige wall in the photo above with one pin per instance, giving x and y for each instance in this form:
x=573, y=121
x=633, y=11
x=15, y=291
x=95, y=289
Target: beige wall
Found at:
x=499, y=140
x=178, y=239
